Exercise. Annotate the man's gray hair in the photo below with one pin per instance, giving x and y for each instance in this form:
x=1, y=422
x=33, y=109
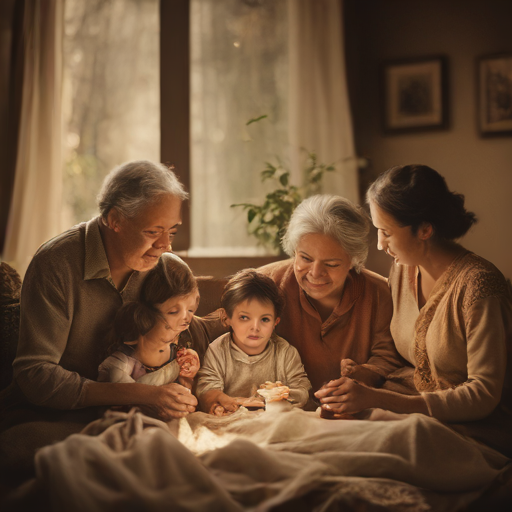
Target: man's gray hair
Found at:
x=133, y=185
x=335, y=216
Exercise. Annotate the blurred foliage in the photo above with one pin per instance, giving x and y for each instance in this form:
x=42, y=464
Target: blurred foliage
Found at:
x=83, y=175
x=268, y=221
x=110, y=100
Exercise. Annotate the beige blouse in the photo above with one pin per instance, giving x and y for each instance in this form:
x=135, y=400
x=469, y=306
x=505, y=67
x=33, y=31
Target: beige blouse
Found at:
x=458, y=341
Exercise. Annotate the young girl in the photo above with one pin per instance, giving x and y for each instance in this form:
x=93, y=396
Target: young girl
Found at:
x=149, y=344
x=239, y=362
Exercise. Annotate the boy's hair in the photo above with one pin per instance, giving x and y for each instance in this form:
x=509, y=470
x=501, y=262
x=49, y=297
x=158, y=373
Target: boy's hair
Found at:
x=171, y=277
x=249, y=284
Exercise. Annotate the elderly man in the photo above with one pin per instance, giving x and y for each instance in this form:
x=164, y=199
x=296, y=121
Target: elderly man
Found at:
x=73, y=287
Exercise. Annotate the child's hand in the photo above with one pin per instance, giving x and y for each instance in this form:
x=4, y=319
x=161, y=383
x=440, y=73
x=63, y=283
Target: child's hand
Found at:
x=274, y=391
x=224, y=406
x=188, y=361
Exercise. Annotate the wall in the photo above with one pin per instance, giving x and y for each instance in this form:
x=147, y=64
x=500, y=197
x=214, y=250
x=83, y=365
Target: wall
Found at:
x=479, y=168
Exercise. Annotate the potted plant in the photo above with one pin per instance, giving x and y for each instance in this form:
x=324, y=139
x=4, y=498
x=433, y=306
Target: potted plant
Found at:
x=268, y=221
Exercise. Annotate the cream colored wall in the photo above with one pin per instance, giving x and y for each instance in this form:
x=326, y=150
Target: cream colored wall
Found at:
x=479, y=168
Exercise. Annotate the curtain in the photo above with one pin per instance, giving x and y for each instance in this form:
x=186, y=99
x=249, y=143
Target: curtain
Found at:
x=34, y=215
x=319, y=110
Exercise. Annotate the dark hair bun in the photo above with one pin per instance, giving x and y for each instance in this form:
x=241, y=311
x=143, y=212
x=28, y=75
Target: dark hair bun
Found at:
x=414, y=194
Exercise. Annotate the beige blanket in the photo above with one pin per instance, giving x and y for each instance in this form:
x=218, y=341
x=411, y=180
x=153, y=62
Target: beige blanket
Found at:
x=258, y=460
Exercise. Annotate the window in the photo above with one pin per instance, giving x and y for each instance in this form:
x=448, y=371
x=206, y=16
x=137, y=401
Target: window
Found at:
x=239, y=72
x=111, y=98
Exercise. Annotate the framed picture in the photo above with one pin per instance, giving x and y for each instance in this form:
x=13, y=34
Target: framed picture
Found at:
x=415, y=95
x=495, y=94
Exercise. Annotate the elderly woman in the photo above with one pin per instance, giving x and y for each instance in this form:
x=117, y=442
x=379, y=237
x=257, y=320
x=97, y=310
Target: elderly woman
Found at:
x=72, y=289
x=337, y=312
x=452, y=318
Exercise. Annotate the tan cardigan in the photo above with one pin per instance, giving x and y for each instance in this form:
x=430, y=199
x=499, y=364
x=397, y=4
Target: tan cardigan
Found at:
x=458, y=341
x=357, y=329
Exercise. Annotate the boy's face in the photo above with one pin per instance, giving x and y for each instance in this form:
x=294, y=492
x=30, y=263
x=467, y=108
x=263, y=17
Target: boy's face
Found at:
x=253, y=323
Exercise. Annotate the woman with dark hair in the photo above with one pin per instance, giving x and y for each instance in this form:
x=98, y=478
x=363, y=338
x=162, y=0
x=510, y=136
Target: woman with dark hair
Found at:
x=452, y=313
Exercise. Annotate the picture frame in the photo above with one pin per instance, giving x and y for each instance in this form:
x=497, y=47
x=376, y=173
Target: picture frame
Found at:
x=494, y=79
x=415, y=94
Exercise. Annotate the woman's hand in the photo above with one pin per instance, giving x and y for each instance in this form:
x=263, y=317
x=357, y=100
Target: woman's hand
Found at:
x=346, y=396
x=171, y=401
x=360, y=373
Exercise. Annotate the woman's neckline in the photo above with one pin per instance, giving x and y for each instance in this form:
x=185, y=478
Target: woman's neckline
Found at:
x=457, y=255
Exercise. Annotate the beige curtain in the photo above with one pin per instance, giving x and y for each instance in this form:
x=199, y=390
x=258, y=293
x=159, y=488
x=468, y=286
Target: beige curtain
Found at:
x=34, y=216
x=320, y=119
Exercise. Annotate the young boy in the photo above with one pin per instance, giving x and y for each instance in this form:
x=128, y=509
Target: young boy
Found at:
x=237, y=363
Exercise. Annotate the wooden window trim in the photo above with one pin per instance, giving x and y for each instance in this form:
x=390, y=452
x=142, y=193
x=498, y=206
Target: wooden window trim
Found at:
x=175, y=100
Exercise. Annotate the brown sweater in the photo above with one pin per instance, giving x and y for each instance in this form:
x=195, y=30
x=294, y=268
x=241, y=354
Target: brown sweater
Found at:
x=357, y=329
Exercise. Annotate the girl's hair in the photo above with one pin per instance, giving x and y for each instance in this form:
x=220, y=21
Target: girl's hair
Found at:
x=249, y=284
x=171, y=277
x=133, y=185
x=414, y=194
x=134, y=319
x=335, y=216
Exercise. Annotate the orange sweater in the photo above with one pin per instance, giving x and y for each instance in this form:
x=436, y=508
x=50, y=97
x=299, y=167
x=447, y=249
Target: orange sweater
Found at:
x=357, y=329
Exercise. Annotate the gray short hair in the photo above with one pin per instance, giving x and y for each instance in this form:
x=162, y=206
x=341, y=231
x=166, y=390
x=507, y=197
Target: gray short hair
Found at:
x=335, y=216
x=132, y=185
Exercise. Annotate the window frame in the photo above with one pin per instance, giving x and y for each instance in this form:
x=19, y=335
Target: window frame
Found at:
x=175, y=100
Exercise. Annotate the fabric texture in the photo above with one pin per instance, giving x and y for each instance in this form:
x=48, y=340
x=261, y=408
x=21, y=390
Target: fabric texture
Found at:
x=357, y=329
x=35, y=211
x=262, y=461
x=318, y=101
x=458, y=341
x=229, y=369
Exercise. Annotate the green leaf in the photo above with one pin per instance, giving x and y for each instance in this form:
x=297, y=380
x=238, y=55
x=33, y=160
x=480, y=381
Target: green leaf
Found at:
x=284, y=178
x=255, y=120
x=268, y=172
x=244, y=205
x=250, y=215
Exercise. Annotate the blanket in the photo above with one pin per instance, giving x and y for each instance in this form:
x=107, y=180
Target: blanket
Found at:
x=279, y=459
